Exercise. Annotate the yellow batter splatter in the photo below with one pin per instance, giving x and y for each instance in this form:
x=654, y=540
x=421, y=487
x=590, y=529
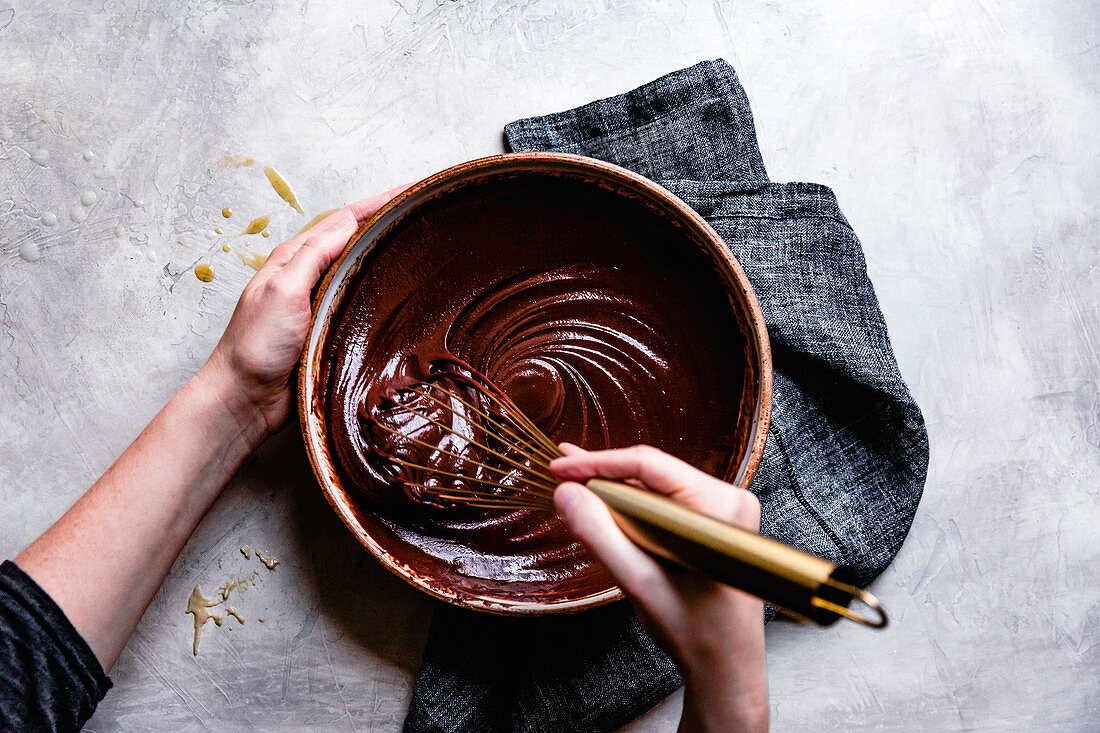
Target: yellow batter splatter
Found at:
x=282, y=188
x=268, y=560
x=255, y=260
x=199, y=606
x=235, y=161
x=204, y=273
x=317, y=219
x=257, y=225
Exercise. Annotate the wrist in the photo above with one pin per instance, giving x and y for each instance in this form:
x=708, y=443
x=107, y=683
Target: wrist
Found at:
x=236, y=413
x=725, y=670
x=716, y=702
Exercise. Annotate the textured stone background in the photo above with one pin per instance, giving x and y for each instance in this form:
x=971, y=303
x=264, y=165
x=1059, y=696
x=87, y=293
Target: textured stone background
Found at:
x=961, y=139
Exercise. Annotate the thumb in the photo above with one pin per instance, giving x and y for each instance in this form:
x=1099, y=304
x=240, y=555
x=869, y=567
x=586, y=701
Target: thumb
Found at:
x=365, y=209
x=590, y=521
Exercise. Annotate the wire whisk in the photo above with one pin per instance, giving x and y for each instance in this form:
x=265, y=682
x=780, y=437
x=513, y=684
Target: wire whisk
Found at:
x=457, y=440
x=460, y=439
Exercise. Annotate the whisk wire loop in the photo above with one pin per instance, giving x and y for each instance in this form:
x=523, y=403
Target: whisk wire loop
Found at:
x=461, y=476
x=543, y=446
x=483, y=415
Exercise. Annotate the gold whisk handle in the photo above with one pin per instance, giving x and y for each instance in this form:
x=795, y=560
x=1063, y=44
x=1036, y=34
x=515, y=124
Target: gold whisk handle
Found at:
x=798, y=582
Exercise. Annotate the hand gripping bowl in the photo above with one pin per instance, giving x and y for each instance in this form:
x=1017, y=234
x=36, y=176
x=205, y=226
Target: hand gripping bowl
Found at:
x=562, y=214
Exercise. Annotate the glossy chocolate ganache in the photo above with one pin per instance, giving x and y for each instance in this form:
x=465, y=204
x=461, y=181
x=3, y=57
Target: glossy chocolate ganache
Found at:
x=599, y=319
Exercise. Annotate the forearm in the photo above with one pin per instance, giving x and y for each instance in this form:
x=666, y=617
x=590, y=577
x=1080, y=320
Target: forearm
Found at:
x=103, y=561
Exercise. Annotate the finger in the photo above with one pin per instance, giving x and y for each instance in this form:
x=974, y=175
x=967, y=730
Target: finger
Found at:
x=591, y=522
x=365, y=209
x=572, y=450
x=311, y=260
x=341, y=223
x=656, y=469
x=337, y=227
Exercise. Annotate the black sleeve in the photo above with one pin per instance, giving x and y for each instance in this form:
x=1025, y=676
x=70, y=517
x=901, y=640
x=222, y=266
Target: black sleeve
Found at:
x=49, y=678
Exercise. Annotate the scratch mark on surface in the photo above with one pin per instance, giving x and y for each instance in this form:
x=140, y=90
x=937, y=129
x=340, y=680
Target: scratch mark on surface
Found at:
x=720, y=15
x=146, y=659
x=937, y=561
x=335, y=680
x=306, y=629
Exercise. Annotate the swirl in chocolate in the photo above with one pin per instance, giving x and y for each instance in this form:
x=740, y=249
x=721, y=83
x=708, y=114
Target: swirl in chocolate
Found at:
x=599, y=319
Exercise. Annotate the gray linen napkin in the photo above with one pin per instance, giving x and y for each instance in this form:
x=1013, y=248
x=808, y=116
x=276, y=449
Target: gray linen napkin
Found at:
x=846, y=457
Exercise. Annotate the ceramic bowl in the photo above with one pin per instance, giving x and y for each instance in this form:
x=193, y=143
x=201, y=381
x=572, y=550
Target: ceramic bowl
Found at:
x=349, y=505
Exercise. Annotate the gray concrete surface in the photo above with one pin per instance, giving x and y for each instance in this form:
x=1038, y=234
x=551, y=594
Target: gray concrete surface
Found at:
x=961, y=139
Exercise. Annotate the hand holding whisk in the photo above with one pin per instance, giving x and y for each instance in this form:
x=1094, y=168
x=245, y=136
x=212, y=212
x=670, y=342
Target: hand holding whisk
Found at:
x=458, y=440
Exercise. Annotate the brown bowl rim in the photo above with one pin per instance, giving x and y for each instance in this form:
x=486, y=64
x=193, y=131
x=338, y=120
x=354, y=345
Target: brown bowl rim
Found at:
x=756, y=324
